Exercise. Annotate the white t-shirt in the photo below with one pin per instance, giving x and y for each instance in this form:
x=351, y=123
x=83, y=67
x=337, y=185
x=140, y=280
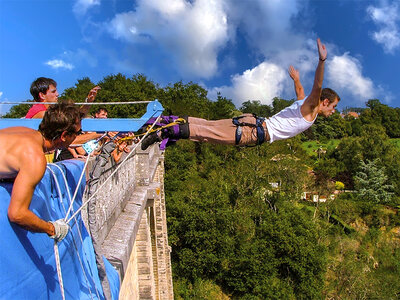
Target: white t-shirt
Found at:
x=288, y=122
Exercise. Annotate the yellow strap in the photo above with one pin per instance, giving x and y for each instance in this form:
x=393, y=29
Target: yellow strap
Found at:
x=176, y=122
x=49, y=157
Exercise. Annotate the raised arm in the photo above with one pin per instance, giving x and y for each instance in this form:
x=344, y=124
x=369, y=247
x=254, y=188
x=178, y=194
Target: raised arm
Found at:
x=298, y=88
x=309, y=109
x=90, y=98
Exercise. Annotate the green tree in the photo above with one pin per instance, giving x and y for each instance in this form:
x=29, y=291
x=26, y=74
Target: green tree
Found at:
x=381, y=114
x=225, y=225
x=186, y=99
x=17, y=111
x=257, y=108
x=372, y=182
x=278, y=104
x=119, y=88
x=79, y=92
x=223, y=108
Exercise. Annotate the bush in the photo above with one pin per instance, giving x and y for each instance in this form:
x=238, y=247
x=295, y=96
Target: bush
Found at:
x=339, y=185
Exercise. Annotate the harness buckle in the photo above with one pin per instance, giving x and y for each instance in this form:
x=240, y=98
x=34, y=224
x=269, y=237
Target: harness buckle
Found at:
x=258, y=126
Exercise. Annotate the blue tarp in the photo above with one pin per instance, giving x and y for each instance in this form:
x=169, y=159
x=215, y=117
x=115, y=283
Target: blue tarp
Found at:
x=27, y=262
x=154, y=109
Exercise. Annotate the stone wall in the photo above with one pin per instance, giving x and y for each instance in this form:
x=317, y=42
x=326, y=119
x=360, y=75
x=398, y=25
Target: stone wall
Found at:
x=131, y=225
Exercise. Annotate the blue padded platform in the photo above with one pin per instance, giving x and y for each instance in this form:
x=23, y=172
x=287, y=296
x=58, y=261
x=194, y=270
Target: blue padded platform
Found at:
x=154, y=109
x=28, y=269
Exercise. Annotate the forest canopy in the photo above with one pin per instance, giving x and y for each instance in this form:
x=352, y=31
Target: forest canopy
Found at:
x=237, y=223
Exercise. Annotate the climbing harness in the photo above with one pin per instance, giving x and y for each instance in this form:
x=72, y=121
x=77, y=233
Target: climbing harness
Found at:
x=258, y=126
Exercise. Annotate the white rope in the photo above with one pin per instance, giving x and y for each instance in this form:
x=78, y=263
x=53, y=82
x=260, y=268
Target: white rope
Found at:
x=77, y=227
x=116, y=169
x=56, y=253
x=58, y=265
x=77, y=187
x=82, y=103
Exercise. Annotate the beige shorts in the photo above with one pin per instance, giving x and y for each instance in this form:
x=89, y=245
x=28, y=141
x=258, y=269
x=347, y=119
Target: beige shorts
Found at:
x=224, y=131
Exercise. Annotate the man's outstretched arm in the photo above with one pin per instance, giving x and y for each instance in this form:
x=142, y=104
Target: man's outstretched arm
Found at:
x=21, y=196
x=298, y=87
x=309, y=109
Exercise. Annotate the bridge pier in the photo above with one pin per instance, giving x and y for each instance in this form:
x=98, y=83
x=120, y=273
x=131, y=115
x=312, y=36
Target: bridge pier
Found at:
x=131, y=225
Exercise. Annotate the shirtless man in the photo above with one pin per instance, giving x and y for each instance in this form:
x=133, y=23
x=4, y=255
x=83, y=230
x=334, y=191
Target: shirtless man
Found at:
x=22, y=159
x=248, y=129
x=44, y=90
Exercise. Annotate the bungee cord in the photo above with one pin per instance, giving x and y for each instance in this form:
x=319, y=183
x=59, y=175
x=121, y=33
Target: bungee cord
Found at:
x=87, y=271
x=116, y=169
x=76, y=222
x=77, y=187
x=178, y=121
x=56, y=253
x=72, y=200
x=58, y=265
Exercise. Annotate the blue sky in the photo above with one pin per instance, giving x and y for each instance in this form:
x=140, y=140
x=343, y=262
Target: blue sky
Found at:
x=241, y=48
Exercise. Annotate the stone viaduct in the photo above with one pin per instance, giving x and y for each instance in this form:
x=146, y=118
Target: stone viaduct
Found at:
x=131, y=225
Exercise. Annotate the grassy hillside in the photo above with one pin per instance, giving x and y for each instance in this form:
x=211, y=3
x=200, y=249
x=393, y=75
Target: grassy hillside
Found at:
x=396, y=142
x=364, y=264
x=312, y=147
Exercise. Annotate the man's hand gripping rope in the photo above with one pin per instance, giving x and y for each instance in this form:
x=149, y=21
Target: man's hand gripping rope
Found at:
x=61, y=229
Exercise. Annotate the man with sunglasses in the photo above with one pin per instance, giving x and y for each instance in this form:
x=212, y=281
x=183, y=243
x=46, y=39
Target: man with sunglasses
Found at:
x=22, y=161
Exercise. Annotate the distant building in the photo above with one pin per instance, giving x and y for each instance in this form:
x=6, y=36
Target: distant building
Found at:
x=314, y=197
x=350, y=114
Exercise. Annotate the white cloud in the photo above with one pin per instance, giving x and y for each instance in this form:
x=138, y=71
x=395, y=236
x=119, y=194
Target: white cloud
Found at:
x=267, y=25
x=187, y=36
x=80, y=57
x=1, y=94
x=191, y=34
x=270, y=78
x=263, y=83
x=82, y=6
x=386, y=17
x=344, y=74
x=58, y=63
